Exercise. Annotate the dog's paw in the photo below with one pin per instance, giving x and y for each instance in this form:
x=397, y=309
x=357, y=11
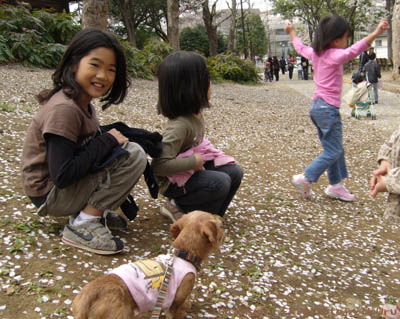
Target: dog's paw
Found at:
x=187, y=305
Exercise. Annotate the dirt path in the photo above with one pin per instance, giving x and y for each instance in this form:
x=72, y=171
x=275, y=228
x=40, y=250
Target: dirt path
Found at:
x=283, y=258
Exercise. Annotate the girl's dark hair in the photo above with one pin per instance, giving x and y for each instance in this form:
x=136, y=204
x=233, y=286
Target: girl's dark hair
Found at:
x=330, y=28
x=183, y=82
x=80, y=46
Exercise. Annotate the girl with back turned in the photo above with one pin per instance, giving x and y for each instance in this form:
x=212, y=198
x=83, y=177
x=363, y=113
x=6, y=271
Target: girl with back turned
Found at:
x=192, y=174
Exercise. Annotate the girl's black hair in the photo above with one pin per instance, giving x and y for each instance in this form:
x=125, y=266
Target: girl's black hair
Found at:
x=80, y=46
x=183, y=82
x=330, y=28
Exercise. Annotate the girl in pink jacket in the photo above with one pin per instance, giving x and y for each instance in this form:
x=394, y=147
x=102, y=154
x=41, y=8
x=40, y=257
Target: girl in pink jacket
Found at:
x=328, y=53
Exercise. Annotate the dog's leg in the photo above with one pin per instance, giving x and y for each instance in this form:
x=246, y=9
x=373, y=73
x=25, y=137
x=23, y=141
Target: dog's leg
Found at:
x=107, y=297
x=178, y=308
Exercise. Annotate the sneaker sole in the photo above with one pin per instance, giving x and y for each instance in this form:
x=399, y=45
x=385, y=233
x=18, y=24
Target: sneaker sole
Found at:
x=300, y=188
x=93, y=250
x=165, y=212
x=334, y=196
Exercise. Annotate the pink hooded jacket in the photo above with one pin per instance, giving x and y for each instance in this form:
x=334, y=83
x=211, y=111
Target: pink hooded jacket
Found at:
x=208, y=152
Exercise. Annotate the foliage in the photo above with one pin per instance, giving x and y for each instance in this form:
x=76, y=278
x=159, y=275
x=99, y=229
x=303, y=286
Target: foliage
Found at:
x=196, y=39
x=59, y=26
x=155, y=52
x=144, y=63
x=143, y=35
x=230, y=67
x=138, y=18
x=34, y=39
x=255, y=35
x=359, y=13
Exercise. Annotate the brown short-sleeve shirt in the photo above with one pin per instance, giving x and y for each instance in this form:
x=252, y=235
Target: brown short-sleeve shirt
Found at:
x=61, y=116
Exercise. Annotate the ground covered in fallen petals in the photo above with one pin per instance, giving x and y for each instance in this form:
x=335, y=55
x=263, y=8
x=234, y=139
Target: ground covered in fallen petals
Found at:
x=284, y=257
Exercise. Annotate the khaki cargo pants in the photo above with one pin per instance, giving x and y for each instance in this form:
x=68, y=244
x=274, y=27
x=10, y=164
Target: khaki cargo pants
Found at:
x=106, y=189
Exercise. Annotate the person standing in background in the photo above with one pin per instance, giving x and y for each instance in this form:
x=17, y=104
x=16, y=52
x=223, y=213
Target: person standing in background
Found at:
x=291, y=63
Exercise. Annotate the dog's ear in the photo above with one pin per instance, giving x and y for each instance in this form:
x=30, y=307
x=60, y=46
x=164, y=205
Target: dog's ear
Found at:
x=209, y=229
x=176, y=228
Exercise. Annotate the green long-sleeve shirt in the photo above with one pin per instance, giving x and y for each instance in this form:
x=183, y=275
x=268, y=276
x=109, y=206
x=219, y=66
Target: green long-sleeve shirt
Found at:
x=180, y=135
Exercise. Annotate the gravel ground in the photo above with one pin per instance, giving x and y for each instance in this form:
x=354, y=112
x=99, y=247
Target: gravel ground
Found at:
x=284, y=257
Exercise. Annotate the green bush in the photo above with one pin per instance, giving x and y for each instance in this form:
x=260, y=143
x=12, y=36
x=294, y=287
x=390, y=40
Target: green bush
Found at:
x=136, y=61
x=196, y=39
x=145, y=63
x=231, y=67
x=155, y=52
x=34, y=39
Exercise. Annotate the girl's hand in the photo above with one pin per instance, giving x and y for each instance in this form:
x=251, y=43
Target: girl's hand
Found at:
x=382, y=26
x=199, y=162
x=289, y=27
x=118, y=136
x=380, y=185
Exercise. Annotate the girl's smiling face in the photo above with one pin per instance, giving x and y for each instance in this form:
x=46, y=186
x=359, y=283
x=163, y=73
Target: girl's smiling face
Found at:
x=95, y=73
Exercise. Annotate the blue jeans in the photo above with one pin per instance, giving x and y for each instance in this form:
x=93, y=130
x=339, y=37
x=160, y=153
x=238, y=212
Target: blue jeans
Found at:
x=210, y=190
x=328, y=122
x=375, y=88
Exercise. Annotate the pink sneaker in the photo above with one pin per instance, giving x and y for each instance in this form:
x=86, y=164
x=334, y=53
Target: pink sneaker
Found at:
x=171, y=210
x=303, y=185
x=339, y=192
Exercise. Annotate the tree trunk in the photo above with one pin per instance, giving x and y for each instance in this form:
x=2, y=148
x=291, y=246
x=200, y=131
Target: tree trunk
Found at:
x=213, y=38
x=124, y=8
x=173, y=23
x=94, y=14
x=232, y=28
x=396, y=39
x=389, y=8
x=244, y=31
x=208, y=18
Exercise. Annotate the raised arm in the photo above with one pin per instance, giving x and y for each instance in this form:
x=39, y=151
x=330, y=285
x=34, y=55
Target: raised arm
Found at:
x=382, y=27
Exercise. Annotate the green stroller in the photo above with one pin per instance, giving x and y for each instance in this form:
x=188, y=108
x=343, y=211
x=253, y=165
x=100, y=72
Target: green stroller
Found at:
x=363, y=97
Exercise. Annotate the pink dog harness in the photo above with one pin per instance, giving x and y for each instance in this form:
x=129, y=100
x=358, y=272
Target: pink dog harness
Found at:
x=144, y=277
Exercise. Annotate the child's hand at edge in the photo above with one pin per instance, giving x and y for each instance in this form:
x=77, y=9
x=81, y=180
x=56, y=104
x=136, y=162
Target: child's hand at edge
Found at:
x=383, y=169
x=199, y=162
x=118, y=136
x=380, y=185
x=379, y=178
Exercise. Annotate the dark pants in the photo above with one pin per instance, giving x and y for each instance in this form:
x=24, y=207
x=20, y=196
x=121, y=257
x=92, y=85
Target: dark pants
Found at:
x=210, y=190
x=290, y=73
x=271, y=75
x=276, y=72
x=305, y=73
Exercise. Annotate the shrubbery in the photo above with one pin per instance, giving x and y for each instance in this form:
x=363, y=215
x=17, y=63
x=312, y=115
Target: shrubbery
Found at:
x=231, y=67
x=34, y=39
x=39, y=39
x=144, y=63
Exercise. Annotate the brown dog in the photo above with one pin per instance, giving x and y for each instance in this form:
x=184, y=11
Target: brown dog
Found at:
x=196, y=235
